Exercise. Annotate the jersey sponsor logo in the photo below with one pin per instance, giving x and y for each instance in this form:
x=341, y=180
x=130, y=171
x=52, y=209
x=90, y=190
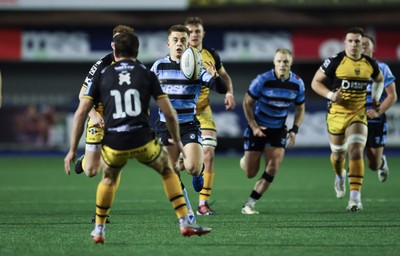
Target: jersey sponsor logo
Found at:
x=124, y=78
x=326, y=63
x=93, y=69
x=354, y=85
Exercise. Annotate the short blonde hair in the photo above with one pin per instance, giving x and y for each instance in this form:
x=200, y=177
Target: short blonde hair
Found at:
x=284, y=51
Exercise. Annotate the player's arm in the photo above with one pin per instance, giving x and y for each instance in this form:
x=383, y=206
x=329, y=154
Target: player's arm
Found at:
x=377, y=88
x=318, y=85
x=78, y=124
x=248, y=103
x=389, y=101
x=298, y=119
x=229, y=99
x=97, y=120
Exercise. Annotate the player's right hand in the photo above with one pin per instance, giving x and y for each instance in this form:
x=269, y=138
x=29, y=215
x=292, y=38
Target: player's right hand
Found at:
x=67, y=162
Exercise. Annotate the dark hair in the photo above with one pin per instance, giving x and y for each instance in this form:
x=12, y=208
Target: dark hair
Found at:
x=122, y=29
x=355, y=30
x=193, y=21
x=370, y=38
x=178, y=28
x=126, y=45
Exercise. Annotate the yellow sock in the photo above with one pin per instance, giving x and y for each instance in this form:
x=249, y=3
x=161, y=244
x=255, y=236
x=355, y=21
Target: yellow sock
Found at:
x=118, y=181
x=104, y=200
x=356, y=174
x=83, y=163
x=173, y=190
x=205, y=193
x=338, y=168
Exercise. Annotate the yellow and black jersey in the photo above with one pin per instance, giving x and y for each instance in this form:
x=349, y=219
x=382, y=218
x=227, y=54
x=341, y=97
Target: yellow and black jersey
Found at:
x=208, y=55
x=353, y=76
x=125, y=88
x=98, y=67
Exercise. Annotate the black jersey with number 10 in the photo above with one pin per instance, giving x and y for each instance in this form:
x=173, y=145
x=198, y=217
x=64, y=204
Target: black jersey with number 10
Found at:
x=125, y=88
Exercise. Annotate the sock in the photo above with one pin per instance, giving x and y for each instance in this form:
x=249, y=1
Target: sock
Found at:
x=338, y=168
x=118, y=181
x=104, y=199
x=173, y=191
x=185, y=195
x=254, y=196
x=205, y=193
x=356, y=174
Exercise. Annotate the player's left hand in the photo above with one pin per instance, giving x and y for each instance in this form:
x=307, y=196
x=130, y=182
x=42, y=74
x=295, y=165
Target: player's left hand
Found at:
x=211, y=69
x=376, y=104
x=290, y=140
x=372, y=113
x=229, y=101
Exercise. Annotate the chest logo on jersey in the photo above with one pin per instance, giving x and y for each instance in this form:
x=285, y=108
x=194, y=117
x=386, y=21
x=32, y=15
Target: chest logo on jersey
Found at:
x=357, y=71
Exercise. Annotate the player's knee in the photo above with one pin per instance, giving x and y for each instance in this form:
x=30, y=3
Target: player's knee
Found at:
x=91, y=170
x=251, y=174
x=91, y=174
x=195, y=169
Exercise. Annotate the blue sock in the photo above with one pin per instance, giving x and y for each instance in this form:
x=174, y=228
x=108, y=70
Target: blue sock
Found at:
x=185, y=195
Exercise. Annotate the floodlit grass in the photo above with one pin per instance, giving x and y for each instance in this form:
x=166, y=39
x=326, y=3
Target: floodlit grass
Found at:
x=45, y=212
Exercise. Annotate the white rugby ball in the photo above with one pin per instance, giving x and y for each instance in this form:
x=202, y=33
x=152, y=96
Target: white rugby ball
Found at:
x=191, y=63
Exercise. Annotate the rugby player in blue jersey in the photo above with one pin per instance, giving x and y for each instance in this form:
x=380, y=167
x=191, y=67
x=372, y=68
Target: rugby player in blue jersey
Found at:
x=266, y=106
x=377, y=126
x=184, y=94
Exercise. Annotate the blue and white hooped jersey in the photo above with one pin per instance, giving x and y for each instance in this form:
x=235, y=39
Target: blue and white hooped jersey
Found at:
x=388, y=78
x=182, y=92
x=274, y=97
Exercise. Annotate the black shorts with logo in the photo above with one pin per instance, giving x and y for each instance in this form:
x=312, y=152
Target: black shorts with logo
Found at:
x=377, y=133
x=190, y=133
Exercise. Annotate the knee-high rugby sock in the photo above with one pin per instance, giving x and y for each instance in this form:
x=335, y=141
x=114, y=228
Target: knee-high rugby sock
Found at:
x=205, y=193
x=104, y=200
x=186, y=197
x=356, y=174
x=338, y=168
x=173, y=190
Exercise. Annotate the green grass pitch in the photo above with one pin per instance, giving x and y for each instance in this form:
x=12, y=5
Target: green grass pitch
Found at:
x=45, y=212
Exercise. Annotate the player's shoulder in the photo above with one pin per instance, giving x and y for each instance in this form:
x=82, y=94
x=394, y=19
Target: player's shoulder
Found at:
x=295, y=77
x=333, y=61
x=211, y=50
x=268, y=75
x=161, y=61
x=369, y=59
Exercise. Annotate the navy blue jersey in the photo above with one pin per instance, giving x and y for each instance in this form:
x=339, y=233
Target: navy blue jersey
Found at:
x=274, y=97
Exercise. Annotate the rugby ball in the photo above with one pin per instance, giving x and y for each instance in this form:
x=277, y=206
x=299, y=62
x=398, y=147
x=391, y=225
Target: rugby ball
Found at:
x=191, y=63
